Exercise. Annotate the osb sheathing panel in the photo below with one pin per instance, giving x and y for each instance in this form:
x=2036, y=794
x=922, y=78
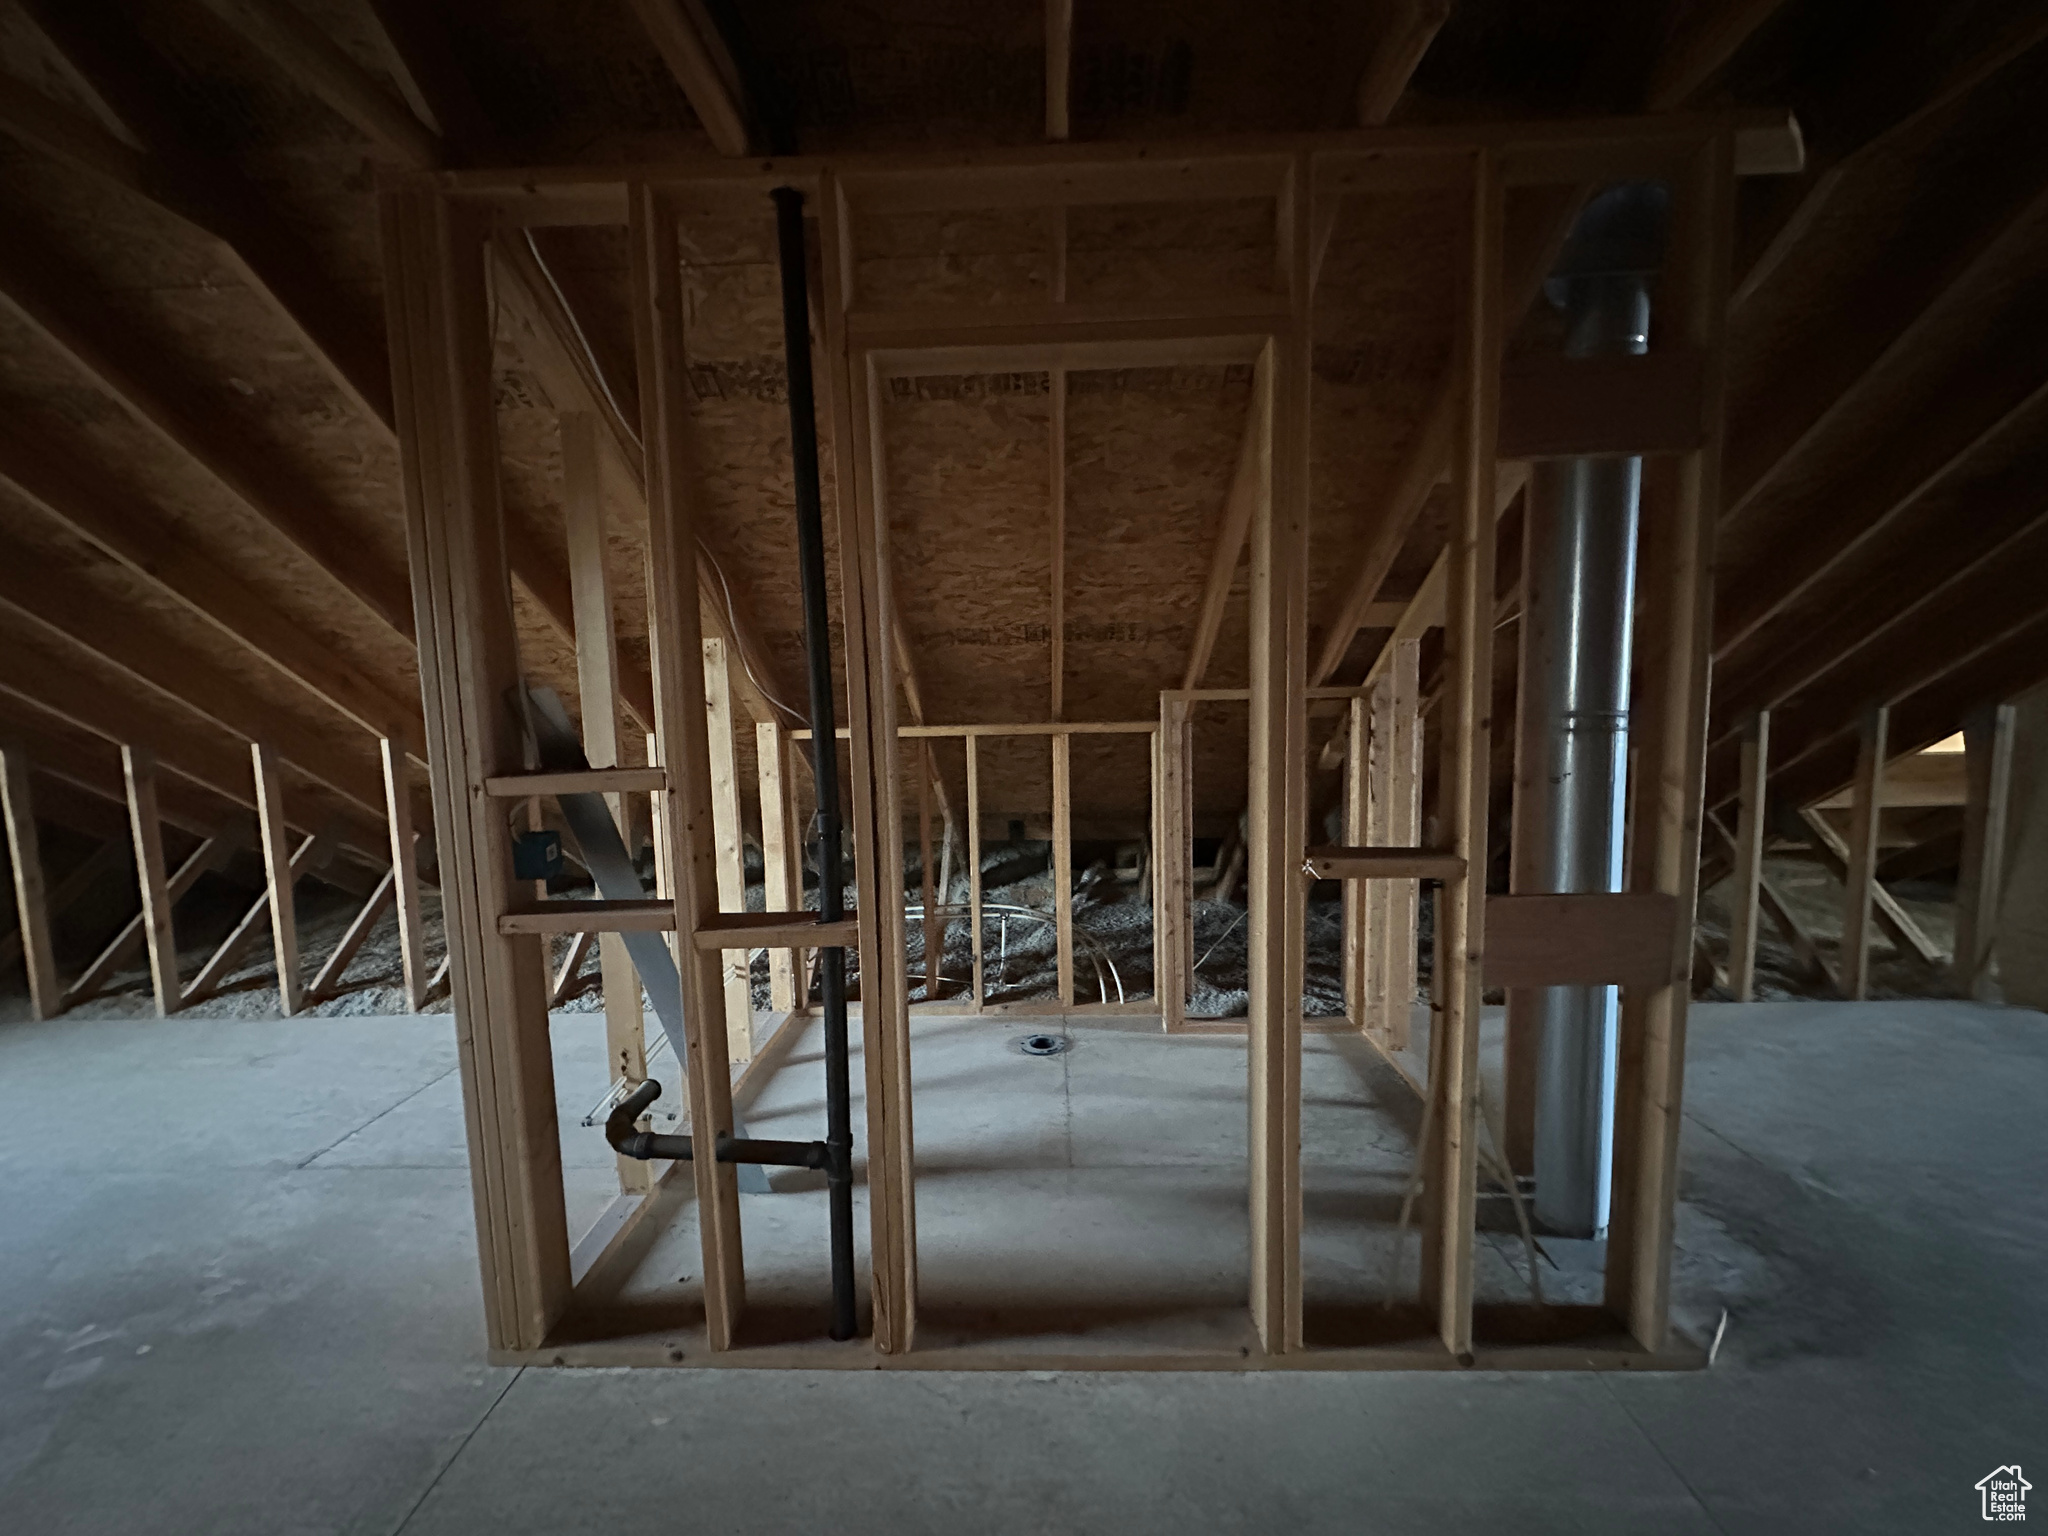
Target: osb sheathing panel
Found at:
x=969, y=489
x=1210, y=249
x=979, y=255
x=1150, y=455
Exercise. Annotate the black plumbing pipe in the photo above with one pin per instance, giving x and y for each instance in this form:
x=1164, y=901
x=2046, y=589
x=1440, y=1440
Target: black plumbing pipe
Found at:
x=646, y=1145
x=810, y=543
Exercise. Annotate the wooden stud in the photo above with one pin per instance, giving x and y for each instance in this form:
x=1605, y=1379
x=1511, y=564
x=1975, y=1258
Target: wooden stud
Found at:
x=405, y=862
x=682, y=721
x=1058, y=624
x=1451, y=1154
x=1361, y=902
x=565, y=974
x=934, y=927
x=1395, y=940
x=1668, y=731
x=871, y=687
x=1063, y=861
x=1172, y=856
x=138, y=768
x=436, y=294
x=1251, y=479
x=1865, y=819
x=1059, y=68
x=1988, y=739
x=212, y=852
x=327, y=981
x=782, y=882
x=291, y=986
x=1749, y=856
x=31, y=906
x=311, y=852
x=974, y=866
x=722, y=742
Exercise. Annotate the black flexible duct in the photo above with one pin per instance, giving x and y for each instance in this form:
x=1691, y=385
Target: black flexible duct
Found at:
x=810, y=538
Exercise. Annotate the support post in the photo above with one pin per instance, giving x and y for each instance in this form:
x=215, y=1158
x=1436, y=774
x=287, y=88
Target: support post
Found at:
x=1401, y=899
x=1277, y=794
x=867, y=605
x=1171, y=863
x=974, y=867
x=1980, y=885
x=782, y=883
x=1668, y=730
x=597, y=697
x=138, y=770
x=277, y=874
x=1866, y=818
x=1749, y=856
x=436, y=296
x=1361, y=898
x=735, y=965
x=412, y=942
x=682, y=713
x=1063, y=861
x=1450, y=1186
x=31, y=901
x=934, y=927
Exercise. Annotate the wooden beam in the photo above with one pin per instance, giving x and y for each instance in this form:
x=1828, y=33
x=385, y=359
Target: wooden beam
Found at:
x=436, y=294
x=73, y=137
x=1749, y=857
x=138, y=766
x=782, y=883
x=1367, y=725
x=1412, y=25
x=727, y=830
x=309, y=57
x=1862, y=871
x=1707, y=39
x=204, y=191
x=1907, y=305
x=1389, y=863
x=1988, y=736
x=1058, y=454
x=689, y=44
x=428, y=73
x=871, y=684
x=1399, y=783
x=1834, y=851
x=90, y=504
x=1172, y=857
x=1856, y=134
x=32, y=906
x=277, y=871
x=1668, y=730
x=566, y=973
x=213, y=851
x=1613, y=407
x=34, y=285
x=327, y=981
x=404, y=862
x=1063, y=863
x=1249, y=481
x=1605, y=939
x=1059, y=68
x=682, y=721
x=50, y=597
x=311, y=853
x=974, y=866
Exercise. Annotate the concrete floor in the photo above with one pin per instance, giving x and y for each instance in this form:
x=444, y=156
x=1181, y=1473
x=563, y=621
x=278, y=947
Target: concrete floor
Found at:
x=240, y=1296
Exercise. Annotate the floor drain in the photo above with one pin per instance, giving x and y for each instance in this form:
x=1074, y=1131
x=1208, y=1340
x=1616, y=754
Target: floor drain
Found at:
x=1042, y=1045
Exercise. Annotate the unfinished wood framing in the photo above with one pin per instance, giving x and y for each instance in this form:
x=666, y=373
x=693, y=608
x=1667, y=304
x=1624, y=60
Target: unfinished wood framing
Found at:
x=727, y=830
x=405, y=867
x=33, y=909
x=1749, y=857
x=138, y=767
x=1859, y=883
x=1980, y=885
x=277, y=874
x=436, y=229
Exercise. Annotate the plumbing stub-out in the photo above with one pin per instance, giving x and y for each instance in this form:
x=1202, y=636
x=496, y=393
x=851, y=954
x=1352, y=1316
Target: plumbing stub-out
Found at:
x=1042, y=1044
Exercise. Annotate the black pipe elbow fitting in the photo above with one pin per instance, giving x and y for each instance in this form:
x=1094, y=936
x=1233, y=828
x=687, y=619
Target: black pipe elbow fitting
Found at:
x=644, y=1145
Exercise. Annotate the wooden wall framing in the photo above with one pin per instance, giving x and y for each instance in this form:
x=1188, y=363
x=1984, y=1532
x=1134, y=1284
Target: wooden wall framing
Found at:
x=436, y=230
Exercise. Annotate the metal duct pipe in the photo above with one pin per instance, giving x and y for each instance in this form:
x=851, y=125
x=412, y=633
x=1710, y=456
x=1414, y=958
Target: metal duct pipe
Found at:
x=1579, y=555
x=810, y=539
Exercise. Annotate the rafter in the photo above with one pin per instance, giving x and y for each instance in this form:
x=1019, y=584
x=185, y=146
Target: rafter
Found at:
x=91, y=766
x=85, y=501
x=70, y=320
x=60, y=606
x=1411, y=27
x=1247, y=481
x=316, y=62
x=702, y=65
x=1902, y=306
x=1708, y=39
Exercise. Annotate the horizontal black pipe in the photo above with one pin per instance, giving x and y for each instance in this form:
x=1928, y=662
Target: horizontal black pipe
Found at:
x=646, y=1145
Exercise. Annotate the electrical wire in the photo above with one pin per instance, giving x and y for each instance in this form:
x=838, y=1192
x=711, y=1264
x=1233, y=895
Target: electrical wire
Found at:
x=590, y=359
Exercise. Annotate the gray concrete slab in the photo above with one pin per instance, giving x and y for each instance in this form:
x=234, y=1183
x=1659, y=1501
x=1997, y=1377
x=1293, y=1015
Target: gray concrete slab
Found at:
x=240, y=1295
